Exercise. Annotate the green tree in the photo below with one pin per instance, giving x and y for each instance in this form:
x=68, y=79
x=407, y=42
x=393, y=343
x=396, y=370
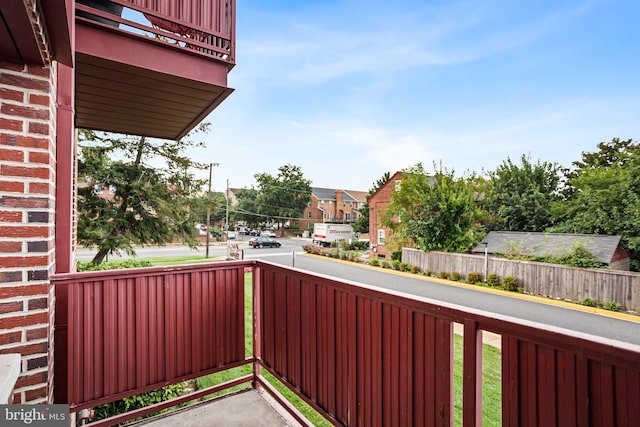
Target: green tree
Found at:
x=361, y=225
x=134, y=191
x=520, y=196
x=246, y=208
x=603, y=195
x=432, y=212
x=284, y=196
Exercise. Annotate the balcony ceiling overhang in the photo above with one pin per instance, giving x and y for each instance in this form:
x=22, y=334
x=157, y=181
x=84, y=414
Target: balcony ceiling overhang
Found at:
x=141, y=86
x=36, y=32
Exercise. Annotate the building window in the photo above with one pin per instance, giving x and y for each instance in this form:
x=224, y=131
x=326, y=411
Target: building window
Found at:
x=330, y=202
x=309, y=215
x=397, y=184
x=347, y=217
x=381, y=237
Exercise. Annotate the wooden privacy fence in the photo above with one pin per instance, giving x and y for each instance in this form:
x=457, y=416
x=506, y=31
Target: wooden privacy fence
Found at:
x=362, y=356
x=549, y=280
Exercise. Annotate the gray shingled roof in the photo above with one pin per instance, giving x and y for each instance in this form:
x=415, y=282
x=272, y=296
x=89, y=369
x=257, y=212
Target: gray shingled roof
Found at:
x=548, y=244
x=324, y=193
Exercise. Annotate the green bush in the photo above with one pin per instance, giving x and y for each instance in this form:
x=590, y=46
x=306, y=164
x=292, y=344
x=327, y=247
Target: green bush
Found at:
x=386, y=264
x=443, y=275
x=113, y=265
x=139, y=401
x=510, y=283
x=474, y=277
x=589, y=302
x=428, y=273
x=404, y=266
x=493, y=280
x=395, y=264
x=415, y=269
x=396, y=256
x=374, y=261
x=612, y=306
x=455, y=276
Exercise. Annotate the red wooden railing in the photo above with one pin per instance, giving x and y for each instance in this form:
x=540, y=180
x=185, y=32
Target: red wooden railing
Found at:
x=123, y=332
x=205, y=27
x=357, y=354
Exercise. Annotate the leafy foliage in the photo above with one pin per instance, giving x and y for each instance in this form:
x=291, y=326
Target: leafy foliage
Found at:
x=134, y=191
x=510, y=283
x=361, y=225
x=602, y=196
x=431, y=212
x=474, y=277
x=285, y=195
x=113, y=265
x=520, y=196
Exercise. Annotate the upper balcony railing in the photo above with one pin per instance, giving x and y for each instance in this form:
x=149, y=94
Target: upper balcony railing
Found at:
x=357, y=354
x=204, y=27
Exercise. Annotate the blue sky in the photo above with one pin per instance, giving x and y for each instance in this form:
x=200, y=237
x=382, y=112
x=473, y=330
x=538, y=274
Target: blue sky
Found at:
x=349, y=90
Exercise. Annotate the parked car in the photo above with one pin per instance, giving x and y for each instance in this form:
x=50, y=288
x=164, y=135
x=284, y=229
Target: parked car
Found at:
x=267, y=233
x=254, y=232
x=231, y=235
x=266, y=242
x=252, y=241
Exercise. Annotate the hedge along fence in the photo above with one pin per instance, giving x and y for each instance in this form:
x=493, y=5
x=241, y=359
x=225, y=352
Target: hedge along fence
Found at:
x=549, y=280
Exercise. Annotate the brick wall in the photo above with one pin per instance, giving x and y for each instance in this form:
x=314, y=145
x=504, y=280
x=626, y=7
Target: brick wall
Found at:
x=378, y=203
x=27, y=215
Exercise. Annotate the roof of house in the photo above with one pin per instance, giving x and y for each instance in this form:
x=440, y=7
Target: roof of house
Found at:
x=354, y=196
x=324, y=193
x=548, y=244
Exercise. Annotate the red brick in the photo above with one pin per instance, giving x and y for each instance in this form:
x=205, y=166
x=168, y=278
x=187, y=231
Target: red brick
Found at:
x=10, y=246
x=17, y=398
x=25, y=320
x=12, y=186
x=38, y=71
x=26, y=112
x=8, y=216
x=26, y=350
x=28, y=380
x=23, y=290
x=8, y=124
x=11, y=307
x=38, y=304
x=23, y=141
x=39, y=157
x=24, y=202
x=39, y=188
x=36, y=394
x=12, y=155
x=24, y=82
x=39, y=128
x=10, y=337
x=13, y=95
x=13, y=66
x=39, y=99
x=23, y=261
x=35, y=334
x=9, y=170
x=10, y=276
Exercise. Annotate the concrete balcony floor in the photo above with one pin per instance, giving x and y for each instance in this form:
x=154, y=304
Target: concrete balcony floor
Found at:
x=250, y=408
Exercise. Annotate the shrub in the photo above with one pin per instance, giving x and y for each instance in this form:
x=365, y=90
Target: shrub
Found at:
x=493, y=280
x=415, y=269
x=612, y=306
x=139, y=401
x=404, y=266
x=113, y=265
x=474, y=277
x=396, y=256
x=374, y=261
x=510, y=283
x=395, y=264
x=428, y=273
x=386, y=264
x=455, y=276
x=589, y=302
x=443, y=275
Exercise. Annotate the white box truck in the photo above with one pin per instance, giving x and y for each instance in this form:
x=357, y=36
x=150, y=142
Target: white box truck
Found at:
x=324, y=234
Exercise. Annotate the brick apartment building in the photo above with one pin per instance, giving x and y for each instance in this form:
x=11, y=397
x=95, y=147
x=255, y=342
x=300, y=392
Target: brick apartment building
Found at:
x=331, y=205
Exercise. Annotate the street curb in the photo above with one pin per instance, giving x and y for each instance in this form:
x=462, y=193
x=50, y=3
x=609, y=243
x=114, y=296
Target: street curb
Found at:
x=534, y=298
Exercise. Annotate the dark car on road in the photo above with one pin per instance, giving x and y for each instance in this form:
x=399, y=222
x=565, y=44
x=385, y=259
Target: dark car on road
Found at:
x=265, y=242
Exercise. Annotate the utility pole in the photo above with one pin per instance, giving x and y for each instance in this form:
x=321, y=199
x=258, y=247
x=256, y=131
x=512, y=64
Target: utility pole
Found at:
x=211, y=165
